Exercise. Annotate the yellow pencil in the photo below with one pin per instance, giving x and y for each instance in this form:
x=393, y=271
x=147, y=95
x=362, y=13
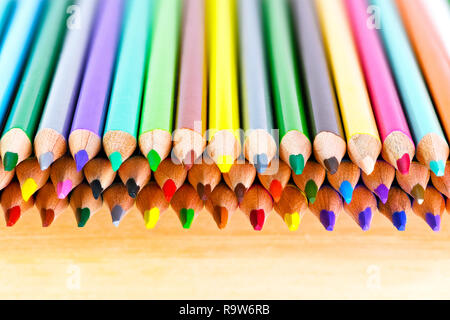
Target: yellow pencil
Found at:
x=363, y=140
x=224, y=141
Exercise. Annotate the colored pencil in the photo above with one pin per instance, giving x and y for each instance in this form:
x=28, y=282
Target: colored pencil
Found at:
x=49, y=205
x=91, y=109
x=170, y=176
x=432, y=208
x=223, y=204
x=13, y=204
x=204, y=178
x=84, y=204
x=415, y=182
x=295, y=147
x=189, y=139
x=398, y=148
x=276, y=180
x=99, y=174
x=5, y=176
x=118, y=202
x=327, y=207
x=380, y=180
x=310, y=180
x=363, y=142
x=152, y=203
x=122, y=121
x=31, y=177
x=442, y=184
x=64, y=176
x=438, y=12
x=6, y=11
x=135, y=173
x=292, y=206
x=362, y=208
x=431, y=147
x=50, y=142
x=345, y=179
x=396, y=208
x=187, y=204
x=329, y=144
x=257, y=205
x=257, y=119
x=240, y=178
x=435, y=64
x=20, y=127
x=155, y=133
x=15, y=49
x=224, y=137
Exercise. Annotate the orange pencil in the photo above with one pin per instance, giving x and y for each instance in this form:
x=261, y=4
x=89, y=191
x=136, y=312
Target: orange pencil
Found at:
x=49, y=205
x=222, y=205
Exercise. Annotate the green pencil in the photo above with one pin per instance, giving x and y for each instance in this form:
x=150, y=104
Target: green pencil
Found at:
x=295, y=146
x=155, y=134
x=16, y=142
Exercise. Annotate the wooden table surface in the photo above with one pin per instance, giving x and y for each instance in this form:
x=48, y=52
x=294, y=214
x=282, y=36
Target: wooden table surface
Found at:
x=100, y=261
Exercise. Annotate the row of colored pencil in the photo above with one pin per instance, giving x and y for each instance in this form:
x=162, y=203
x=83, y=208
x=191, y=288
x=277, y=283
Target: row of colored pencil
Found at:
x=347, y=75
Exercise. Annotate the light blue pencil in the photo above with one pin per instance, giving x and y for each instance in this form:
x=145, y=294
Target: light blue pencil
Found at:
x=15, y=49
x=432, y=147
x=6, y=10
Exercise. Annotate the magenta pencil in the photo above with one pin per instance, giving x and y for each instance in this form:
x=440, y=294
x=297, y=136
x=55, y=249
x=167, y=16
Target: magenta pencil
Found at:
x=398, y=147
x=89, y=118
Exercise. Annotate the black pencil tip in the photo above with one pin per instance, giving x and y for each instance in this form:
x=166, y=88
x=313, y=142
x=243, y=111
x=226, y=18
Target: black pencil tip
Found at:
x=133, y=188
x=331, y=164
x=97, y=189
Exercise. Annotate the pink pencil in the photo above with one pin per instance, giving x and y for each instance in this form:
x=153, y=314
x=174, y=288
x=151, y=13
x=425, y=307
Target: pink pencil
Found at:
x=398, y=147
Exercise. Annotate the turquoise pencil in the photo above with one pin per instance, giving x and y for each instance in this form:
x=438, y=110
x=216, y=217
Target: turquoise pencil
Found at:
x=122, y=123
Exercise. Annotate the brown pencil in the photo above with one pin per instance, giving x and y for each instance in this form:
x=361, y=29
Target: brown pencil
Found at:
x=135, y=173
x=118, y=202
x=84, y=204
x=49, y=205
x=275, y=178
x=204, y=178
x=187, y=204
x=395, y=209
x=99, y=174
x=345, y=179
x=363, y=207
x=13, y=204
x=222, y=204
x=380, y=180
x=292, y=206
x=432, y=208
x=5, y=176
x=170, y=176
x=415, y=181
x=31, y=177
x=257, y=205
x=442, y=184
x=240, y=178
x=65, y=176
x=327, y=207
x=310, y=180
x=152, y=203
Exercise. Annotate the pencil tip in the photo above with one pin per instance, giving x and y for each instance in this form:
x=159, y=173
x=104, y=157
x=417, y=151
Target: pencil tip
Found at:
x=257, y=218
x=189, y=159
x=10, y=161
x=81, y=158
x=382, y=192
x=240, y=191
x=83, y=216
x=292, y=220
x=331, y=164
x=48, y=217
x=117, y=214
x=133, y=188
x=187, y=217
x=261, y=162
x=154, y=160
x=116, y=160
x=28, y=189
x=365, y=218
x=418, y=193
x=169, y=188
x=63, y=188
x=311, y=191
x=276, y=189
x=399, y=220
x=433, y=221
x=97, y=188
x=12, y=216
x=328, y=219
x=203, y=191
x=151, y=217
x=46, y=160
x=403, y=164
x=367, y=165
x=346, y=191
x=221, y=214
x=297, y=163
x=225, y=163
x=438, y=167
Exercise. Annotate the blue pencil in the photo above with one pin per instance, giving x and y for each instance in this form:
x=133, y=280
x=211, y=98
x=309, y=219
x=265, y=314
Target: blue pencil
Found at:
x=6, y=10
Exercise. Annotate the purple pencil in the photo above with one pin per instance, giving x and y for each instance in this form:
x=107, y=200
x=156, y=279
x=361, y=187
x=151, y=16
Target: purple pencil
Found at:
x=88, y=121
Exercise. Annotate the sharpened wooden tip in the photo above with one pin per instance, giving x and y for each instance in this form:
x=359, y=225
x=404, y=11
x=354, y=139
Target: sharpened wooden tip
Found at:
x=396, y=208
x=310, y=180
x=224, y=203
x=187, y=204
x=432, y=208
x=362, y=208
x=49, y=205
x=292, y=206
x=275, y=178
x=327, y=207
x=257, y=205
x=364, y=150
x=380, y=180
x=204, y=178
x=150, y=197
x=345, y=179
x=415, y=181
